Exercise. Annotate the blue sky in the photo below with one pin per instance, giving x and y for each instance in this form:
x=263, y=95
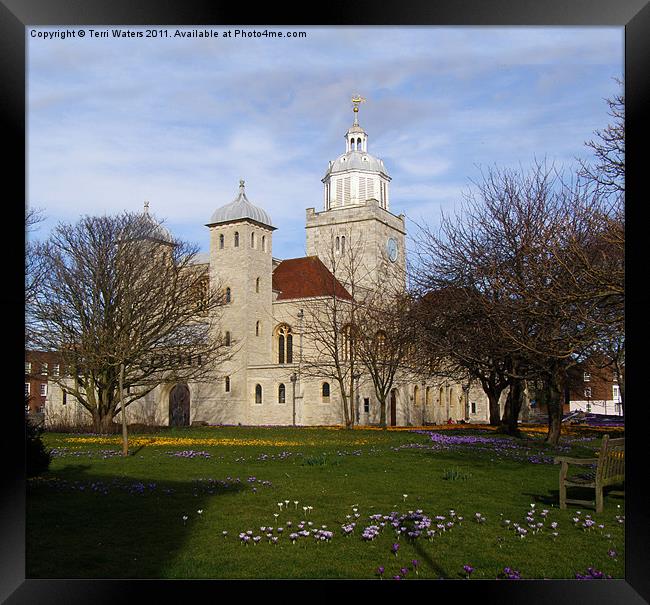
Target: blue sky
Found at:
x=113, y=122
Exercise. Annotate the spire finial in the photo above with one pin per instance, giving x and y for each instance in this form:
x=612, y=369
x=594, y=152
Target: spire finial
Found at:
x=241, y=185
x=356, y=100
x=146, y=207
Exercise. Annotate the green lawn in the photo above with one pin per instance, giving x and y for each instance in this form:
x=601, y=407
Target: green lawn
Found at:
x=96, y=514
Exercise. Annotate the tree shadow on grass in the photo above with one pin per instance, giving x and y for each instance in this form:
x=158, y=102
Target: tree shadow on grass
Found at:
x=84, y=524
x=440, y=571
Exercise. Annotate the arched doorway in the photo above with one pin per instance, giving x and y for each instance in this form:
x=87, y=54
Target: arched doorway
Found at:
x=179, y=406
x=393, y=408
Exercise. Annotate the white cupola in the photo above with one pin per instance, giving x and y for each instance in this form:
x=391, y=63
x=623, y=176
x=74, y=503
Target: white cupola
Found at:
x=355, y=176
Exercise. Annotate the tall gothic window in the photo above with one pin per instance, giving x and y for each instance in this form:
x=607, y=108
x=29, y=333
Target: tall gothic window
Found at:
x=285, y=344
x=257, y=285
x=281, y=393
x=221, y=240
x=253, y=239
x=228, y=295
x=264, y=243
x=236, y=239
x=258, y=393
x=227, y=384
x=227, y=339
x=343, y=245
x=325, y=391
x=257, y=328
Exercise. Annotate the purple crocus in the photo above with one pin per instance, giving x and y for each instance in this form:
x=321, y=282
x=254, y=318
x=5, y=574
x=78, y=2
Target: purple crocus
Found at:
x=468, y=570
x=395, y=548
x=380, y=572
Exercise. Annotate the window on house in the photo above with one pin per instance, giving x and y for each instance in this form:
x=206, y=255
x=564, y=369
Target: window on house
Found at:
x=366, y=405
x=28, y=367
x=264, y=243
x=64, y=401
x=258, y=393
x=586, y=377
x=28, y=389
x=473, y=404
x=257, y=328
x=253, y=239
x=281, y=393
x=236, y=239
x=221, y=241
x=343, y=245
x=56, y=369
x=326, y=390
x=616, y=393
x=227, y=384
x=228, y=295
x=227, y=339
x=257, y=285
x=43, y=390
x=338, y=244
x=44, y=369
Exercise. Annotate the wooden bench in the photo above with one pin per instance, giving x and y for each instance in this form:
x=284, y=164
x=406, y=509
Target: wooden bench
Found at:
x=609, y=470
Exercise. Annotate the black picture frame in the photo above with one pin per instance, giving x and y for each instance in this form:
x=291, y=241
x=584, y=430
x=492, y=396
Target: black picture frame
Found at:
x=17, y=15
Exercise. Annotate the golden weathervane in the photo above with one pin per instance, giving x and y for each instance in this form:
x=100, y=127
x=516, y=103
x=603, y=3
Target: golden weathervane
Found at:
x=357, y=99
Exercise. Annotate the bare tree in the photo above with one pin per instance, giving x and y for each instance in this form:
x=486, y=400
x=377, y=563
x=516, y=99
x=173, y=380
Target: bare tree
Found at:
x=608, y=171
x=514, y=251
x=117, y=291
x=330, y=320
x=383, y=338
x=33, y=270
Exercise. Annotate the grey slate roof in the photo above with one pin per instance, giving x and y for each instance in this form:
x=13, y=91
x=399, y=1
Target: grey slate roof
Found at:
x=240, y=208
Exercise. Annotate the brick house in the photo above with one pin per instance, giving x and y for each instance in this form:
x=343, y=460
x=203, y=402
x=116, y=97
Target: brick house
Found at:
x=39, y=365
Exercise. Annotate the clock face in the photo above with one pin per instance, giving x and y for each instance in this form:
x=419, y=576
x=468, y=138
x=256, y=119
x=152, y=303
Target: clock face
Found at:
x=391, y=249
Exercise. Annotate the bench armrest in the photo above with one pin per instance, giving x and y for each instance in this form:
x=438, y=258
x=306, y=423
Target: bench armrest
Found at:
x=581, y=461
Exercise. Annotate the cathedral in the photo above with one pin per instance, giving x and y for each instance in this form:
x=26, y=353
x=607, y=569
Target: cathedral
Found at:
x=266, y=381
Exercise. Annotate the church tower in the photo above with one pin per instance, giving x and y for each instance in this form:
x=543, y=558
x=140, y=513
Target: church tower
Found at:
x=355, y=235
x=241, y=265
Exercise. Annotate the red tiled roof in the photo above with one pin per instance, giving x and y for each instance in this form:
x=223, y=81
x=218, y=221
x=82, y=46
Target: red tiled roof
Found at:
x=306, y=278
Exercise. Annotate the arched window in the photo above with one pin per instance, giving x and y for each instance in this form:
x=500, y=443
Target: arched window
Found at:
x=236, y=239
x=285, y=344
x=257, y=328
x=257, y=285
x=227, y=384
x=253, y=239
x=427, y=396
x=227, y=339
x=326, y=391
x=343, y=245
x=228, y=295
x=264, y=243
x=281, y=393
x=359, y=144
x=347, y=342
x=258, y=393
x=416, y=396
x=221, y=240
x=338, y=244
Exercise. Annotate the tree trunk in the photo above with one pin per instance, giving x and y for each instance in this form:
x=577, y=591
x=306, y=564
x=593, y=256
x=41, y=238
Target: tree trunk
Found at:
x=513, y=407
x=382, y=413
x=493, y=399
x=102, y=424
x=554, y=405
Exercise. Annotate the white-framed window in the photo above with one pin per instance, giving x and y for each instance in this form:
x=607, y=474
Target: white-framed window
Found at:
x=616, y=393
x=56, y=369
x=28, y=367
x=43, y=389
x=44, y=369
x=28, y=389
x=586, y=377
